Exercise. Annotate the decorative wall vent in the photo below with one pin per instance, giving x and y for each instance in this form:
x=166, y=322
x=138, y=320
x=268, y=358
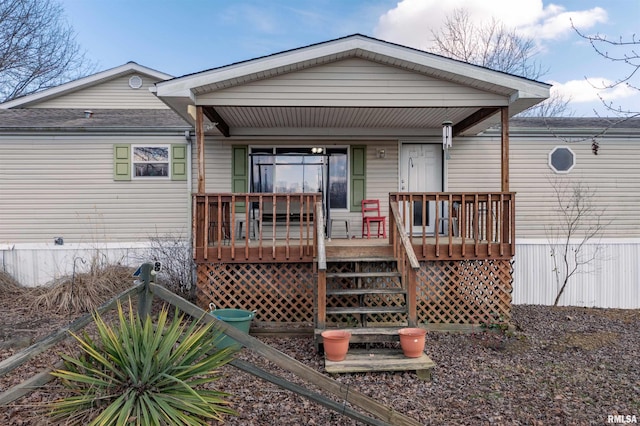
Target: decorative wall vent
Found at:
x=135, y=82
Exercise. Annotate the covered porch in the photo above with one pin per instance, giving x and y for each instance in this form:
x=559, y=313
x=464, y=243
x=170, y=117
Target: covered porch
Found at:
x=287, y=146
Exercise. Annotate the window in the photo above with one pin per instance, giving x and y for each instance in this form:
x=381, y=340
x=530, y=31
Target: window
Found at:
x=150, y=161
x=296, y=170
x=337, y=178
x=562, y=159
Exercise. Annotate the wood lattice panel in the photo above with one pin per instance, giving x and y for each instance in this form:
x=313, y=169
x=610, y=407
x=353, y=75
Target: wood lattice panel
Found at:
x=279, y=292
x=449, y=292
x=464, y=292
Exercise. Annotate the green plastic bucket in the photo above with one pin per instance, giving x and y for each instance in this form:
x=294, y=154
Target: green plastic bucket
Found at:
x=237, y=318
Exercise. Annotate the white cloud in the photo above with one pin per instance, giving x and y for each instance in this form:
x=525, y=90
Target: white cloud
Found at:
x=557, y=23
x=591, y=89
x=412, y=22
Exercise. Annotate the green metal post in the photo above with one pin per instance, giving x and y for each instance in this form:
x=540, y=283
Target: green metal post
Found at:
x=146, y=296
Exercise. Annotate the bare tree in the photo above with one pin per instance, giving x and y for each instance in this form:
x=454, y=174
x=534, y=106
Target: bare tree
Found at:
x=579, y=224
x=37, y=48
x=620, y=51
x=493, y=45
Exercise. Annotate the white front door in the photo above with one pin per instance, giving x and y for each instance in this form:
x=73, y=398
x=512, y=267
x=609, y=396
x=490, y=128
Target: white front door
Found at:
x=421, y=171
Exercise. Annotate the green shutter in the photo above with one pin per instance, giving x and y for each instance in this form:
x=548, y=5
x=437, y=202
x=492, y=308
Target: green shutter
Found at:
x=122, y=162
x=179, y=162
x=358, y=176
x=240, y=172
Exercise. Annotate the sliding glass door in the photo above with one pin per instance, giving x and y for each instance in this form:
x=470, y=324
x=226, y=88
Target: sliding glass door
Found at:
x=302, y=169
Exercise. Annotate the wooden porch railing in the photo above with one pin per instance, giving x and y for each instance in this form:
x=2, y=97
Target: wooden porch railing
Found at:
x=254, y=227
x=267, y=227
x=463, y=226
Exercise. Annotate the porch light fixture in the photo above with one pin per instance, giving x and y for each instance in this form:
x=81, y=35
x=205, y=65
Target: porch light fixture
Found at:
x=317, y=150
x=447, y=138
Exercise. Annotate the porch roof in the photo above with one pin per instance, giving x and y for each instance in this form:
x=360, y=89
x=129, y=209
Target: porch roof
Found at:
x=244, y=116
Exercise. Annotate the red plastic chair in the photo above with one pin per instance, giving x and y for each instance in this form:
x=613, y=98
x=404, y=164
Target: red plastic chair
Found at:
x=371, y=214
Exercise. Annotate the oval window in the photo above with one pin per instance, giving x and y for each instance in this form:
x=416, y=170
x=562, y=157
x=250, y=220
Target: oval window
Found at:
x=562, y=159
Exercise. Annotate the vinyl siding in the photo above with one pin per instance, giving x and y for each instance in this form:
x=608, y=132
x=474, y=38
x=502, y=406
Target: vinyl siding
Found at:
x=64, y=187
x=217, y=170
x=382, y=175
x=474, y=165
x=352, y=82
x=114, y=93
x=613, y=175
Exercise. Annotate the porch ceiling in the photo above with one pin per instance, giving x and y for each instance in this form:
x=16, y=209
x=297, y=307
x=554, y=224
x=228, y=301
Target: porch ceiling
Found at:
x=245, y=119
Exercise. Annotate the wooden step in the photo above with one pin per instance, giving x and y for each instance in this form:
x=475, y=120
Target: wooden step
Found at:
x=363, y=274
x=366, y=334
x=359, y=251
x=365, y=331
x=362, y=360
x=367, y=310
x=365, y=291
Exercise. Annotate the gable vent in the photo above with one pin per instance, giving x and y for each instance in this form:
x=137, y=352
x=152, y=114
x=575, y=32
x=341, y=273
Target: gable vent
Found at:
x=135, y=82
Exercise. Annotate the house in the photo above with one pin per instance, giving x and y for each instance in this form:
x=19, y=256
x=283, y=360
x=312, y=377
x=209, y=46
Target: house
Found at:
x=263, y=165
x=64, y=197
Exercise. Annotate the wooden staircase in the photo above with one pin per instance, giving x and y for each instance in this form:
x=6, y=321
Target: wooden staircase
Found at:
x=361, y=283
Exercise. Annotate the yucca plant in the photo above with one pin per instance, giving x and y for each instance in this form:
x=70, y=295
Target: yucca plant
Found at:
x=142, y=373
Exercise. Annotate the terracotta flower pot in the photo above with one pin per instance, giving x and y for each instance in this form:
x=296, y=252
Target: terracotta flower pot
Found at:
x=412, y=341
x=336, y=344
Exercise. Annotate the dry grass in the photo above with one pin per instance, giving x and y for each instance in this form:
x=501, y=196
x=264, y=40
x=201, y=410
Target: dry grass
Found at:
x=11, y=288
x=84, y=292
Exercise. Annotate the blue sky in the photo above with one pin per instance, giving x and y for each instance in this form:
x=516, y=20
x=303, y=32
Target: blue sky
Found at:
x=182, y=37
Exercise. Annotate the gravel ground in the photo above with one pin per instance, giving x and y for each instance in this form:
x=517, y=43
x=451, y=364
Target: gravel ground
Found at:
x=562, y=366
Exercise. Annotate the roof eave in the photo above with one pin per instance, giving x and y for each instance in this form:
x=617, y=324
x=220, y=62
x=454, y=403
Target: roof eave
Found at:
x=81, y=83
x=181, y=92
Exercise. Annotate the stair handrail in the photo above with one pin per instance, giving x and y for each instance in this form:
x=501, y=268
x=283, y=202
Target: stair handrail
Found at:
x=404, y=238
x=403, y=250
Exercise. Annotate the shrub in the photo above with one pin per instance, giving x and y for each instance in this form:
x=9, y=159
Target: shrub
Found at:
x=177, y=264
x=82, y=292
x=143, y=374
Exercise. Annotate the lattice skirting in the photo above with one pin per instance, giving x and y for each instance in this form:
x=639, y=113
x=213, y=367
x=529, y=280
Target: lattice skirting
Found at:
x=449, y=292
x=464, y=292
x=279, y=292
